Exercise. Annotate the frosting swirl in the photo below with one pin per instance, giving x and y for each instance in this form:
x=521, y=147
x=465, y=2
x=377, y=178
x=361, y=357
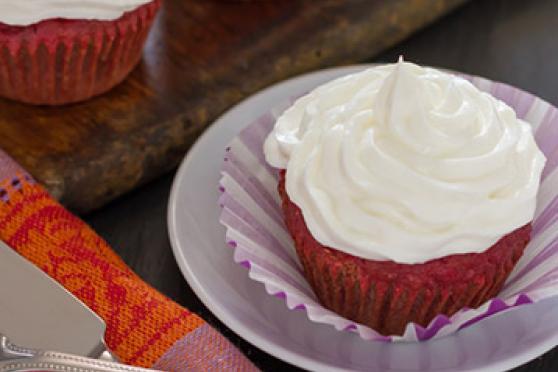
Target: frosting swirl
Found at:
x=27, y=12
x=406, y=163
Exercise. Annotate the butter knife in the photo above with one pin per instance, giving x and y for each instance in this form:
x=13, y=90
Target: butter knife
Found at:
x=39, y=314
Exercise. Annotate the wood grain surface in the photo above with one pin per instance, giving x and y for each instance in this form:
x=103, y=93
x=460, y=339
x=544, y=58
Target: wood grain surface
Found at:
x=202, y=56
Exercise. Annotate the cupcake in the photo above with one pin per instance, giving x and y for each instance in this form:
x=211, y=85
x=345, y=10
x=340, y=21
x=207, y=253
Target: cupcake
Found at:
x=407, y=191
x=58, y=52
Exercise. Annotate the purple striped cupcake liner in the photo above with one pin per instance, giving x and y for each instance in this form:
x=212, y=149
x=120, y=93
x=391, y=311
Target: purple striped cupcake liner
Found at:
x=252, y=216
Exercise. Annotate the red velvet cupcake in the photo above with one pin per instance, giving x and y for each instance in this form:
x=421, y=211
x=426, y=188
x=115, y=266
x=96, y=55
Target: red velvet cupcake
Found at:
x=386, y=296
x=69, y=54
x=407, y=191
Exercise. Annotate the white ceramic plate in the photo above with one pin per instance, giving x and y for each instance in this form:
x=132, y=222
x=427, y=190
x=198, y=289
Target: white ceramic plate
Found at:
x=501, y=342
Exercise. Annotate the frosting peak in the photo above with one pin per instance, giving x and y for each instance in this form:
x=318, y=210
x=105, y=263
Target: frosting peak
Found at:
x=406, y=163
x=27, y=12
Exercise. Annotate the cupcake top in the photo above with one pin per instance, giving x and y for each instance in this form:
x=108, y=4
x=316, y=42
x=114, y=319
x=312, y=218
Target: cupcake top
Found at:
x=406, y=163
x=27, y=12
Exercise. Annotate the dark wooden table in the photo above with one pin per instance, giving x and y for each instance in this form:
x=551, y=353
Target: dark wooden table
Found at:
x=508, y=40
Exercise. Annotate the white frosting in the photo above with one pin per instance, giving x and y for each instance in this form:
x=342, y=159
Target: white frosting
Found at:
x=407, y=164
x=27, y=12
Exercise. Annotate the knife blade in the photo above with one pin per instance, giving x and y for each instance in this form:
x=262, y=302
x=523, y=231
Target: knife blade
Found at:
x=38, y=313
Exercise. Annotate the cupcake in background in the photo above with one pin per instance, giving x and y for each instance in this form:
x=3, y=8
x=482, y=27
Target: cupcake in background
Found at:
x=407, y=191
x=54, y=52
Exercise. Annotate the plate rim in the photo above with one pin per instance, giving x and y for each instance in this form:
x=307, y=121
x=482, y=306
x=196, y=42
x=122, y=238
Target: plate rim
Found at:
x=278, y=351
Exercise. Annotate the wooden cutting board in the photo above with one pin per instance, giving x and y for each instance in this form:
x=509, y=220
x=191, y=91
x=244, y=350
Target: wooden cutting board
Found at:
x=201, y=57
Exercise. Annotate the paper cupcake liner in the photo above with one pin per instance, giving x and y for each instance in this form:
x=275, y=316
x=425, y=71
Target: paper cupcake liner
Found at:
x=252, y=216
x=57, y=61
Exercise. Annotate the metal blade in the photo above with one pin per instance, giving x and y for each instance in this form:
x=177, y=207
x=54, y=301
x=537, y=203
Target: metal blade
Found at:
x=37, y=312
